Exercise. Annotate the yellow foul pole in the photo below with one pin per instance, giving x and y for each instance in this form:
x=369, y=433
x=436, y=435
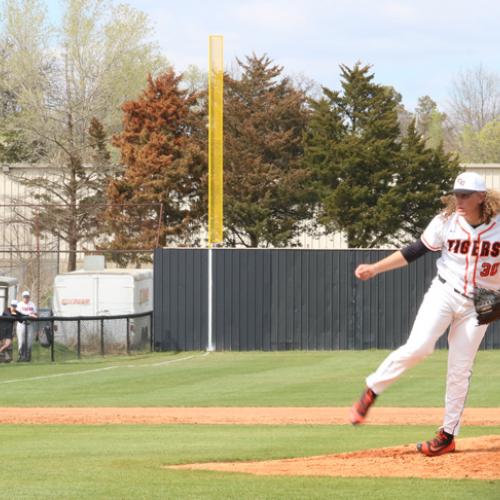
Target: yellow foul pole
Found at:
x=215, y=165
x=215, y=138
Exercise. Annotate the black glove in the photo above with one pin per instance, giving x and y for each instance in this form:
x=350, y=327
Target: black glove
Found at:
x=487, y=305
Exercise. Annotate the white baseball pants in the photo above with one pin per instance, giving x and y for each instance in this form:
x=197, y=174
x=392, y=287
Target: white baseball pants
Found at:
x=23, y=335
x=441, y=307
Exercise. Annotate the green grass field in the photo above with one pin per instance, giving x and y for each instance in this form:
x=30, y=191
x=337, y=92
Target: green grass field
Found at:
x=124, y=461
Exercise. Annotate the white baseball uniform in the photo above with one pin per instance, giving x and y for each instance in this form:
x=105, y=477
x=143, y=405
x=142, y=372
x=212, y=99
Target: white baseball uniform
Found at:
x=23, y=334
x=469, y=257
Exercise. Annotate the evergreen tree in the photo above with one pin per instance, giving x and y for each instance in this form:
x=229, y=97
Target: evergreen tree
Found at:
x=162, y=147
x=373, y=183
x=361, y=147
x=15, y=148
x=324, y=133
x=425, y=174
x=404, y=116
x=265, y=197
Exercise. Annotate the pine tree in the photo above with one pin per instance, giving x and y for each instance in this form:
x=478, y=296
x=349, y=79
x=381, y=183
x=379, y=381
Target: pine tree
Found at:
x=425, y=174
x=265, y=196
x=162, y=147
x=361, y=154
x=377, y=185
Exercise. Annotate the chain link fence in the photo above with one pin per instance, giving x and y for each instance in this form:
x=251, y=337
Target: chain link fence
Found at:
x=34, y=249
x=55, y=338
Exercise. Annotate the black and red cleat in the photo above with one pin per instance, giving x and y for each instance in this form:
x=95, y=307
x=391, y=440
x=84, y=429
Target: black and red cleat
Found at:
x=441, y=444
x=361, y=407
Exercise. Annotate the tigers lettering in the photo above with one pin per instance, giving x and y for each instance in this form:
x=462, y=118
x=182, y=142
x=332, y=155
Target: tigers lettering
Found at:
x=479, y=248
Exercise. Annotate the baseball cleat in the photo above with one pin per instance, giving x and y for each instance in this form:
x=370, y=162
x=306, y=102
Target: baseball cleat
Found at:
x=441, y=444
x=361, y=407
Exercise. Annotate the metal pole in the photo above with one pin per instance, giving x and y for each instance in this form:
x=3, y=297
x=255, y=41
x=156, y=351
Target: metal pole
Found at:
x=128, y=335
x=78, y=340
x=58, y=255
x=52, y=341
x=151, y=331
x=38, y=257
x=25, y=347
x=102, y=337
x=210, y=343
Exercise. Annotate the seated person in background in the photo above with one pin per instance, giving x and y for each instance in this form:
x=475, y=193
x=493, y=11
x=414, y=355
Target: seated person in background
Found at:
x=6, y=331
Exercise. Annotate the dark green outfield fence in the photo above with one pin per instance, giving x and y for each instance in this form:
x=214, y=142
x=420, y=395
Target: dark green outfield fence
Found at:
x=287, y=299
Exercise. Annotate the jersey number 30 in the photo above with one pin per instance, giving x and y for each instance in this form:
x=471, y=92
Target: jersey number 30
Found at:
x=489, y=269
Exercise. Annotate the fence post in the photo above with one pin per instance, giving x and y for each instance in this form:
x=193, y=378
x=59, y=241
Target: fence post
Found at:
x=25, y=347
x=102, y=337
x=128, y=335
x=52, y=341
x=151, y=339
x=78, y=340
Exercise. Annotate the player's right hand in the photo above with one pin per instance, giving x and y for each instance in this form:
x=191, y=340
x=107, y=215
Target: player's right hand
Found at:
x=365, y=271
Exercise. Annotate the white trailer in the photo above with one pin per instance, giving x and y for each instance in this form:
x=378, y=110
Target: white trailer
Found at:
x=8, y=291
x=107, y=292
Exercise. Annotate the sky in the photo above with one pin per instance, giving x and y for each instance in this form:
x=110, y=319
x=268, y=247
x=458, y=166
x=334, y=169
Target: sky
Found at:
x=418, y=47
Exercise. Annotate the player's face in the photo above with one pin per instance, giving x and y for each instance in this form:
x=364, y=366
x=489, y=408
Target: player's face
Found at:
x=468, y=204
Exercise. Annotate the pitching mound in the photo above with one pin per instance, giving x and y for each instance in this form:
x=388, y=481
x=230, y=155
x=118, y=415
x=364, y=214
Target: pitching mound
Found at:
x=475, y=458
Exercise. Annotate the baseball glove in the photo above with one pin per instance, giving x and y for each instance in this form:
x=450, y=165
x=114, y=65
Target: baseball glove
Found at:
x=487, y=305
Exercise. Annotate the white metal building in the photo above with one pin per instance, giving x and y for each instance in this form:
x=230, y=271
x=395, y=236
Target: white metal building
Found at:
x=10, y=190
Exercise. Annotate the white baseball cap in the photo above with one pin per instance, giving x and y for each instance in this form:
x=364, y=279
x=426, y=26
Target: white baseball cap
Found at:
x=468, y=182
x=26, y=293
x=13, y=303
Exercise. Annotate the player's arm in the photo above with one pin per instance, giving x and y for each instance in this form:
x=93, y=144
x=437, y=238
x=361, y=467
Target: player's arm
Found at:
x=398, y=259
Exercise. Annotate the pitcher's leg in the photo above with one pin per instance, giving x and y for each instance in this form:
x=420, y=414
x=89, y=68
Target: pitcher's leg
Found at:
x=464, y=341
x=20, y=337
x=434, y=316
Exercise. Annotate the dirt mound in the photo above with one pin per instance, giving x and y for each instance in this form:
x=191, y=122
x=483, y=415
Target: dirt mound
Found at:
x=239, y=416
x=475, y=458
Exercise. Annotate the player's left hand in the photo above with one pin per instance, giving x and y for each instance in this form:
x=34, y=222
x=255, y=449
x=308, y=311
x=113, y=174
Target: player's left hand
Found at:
x=487, y=305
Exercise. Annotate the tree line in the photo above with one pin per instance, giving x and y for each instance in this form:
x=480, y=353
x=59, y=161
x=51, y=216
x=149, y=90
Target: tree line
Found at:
x=94, y=97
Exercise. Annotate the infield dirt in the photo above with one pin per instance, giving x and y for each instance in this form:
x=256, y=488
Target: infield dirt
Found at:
x=475, y=458
x=239, y=416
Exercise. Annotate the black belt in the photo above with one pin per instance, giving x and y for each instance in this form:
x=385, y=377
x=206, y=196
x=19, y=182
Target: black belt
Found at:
x=442, y=280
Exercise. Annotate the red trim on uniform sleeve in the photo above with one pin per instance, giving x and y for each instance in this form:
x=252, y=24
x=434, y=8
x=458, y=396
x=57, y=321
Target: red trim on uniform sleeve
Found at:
x=479, y=251
x=467, y=256
x=428, y=245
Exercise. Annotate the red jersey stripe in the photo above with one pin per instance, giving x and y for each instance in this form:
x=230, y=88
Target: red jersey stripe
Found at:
x=479, y=251
x=466, y=257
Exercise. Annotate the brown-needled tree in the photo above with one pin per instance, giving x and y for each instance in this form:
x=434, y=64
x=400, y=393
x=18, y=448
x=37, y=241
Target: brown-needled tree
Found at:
x=163, y=150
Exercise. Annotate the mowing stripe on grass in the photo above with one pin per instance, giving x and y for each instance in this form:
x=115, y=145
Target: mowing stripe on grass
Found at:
x=95, y=370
